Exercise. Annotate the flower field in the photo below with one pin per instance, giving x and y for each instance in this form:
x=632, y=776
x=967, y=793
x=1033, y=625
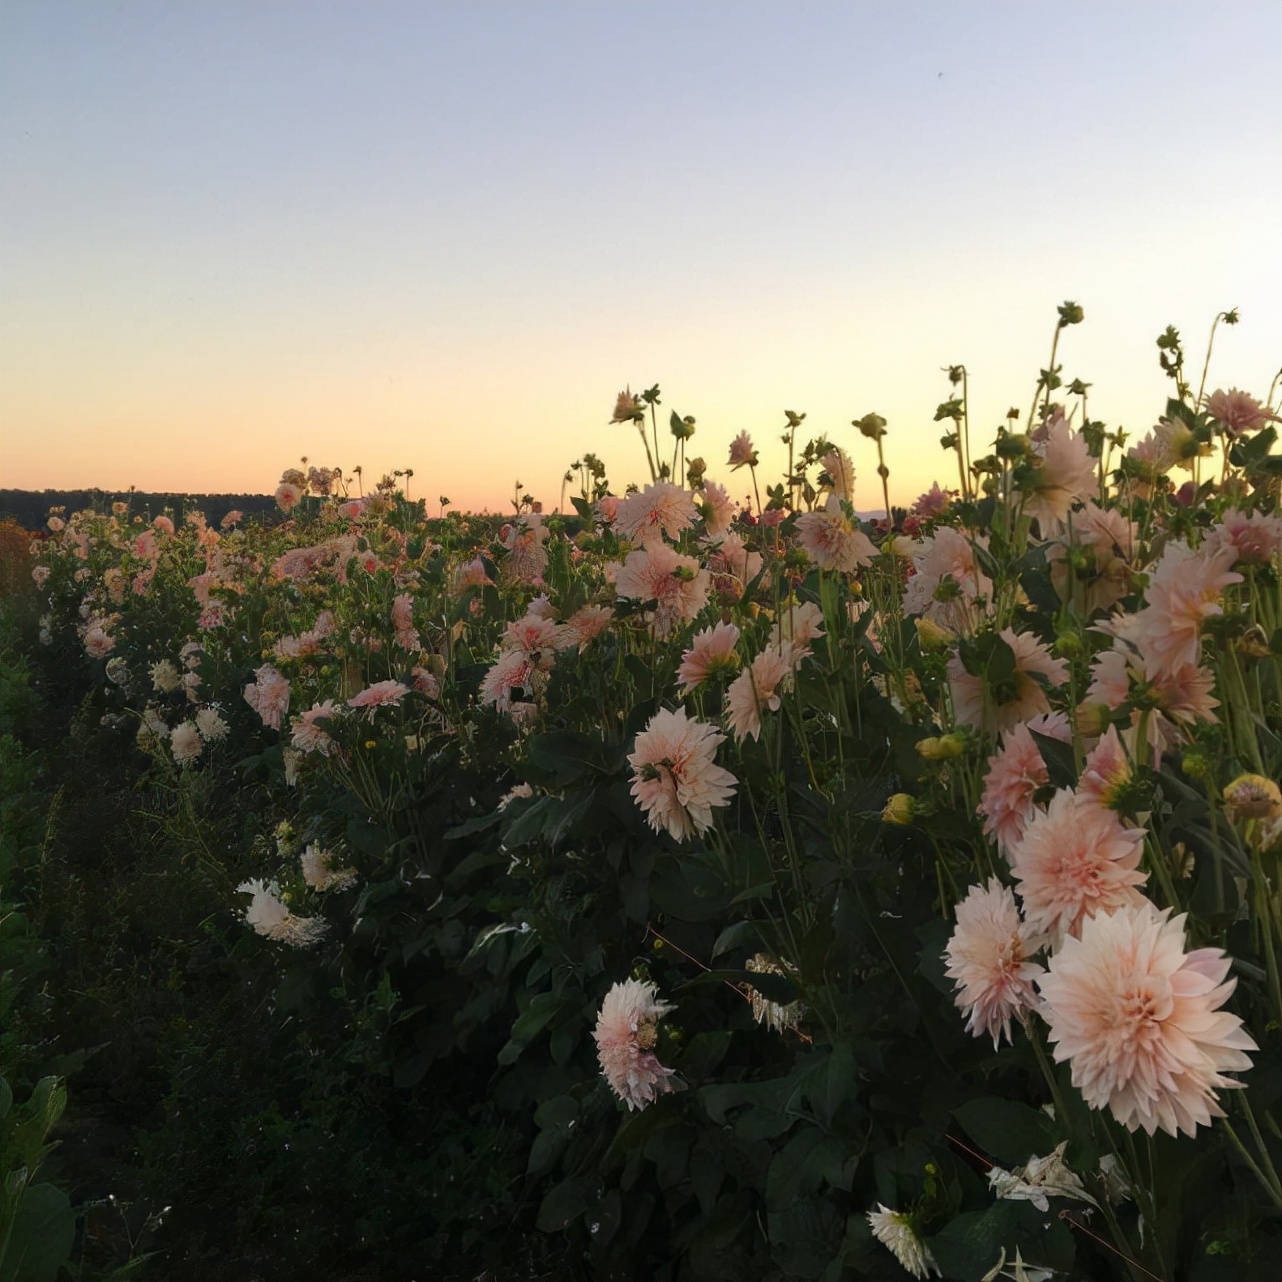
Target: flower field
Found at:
x=666, y=887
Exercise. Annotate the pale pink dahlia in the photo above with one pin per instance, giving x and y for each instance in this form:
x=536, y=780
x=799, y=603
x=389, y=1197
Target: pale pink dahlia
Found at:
x=756, y=689
x=185, y=743
x=403, y=622
x=268, y=695
x=1021, y=699
x=1014, y=776
x=840, y=471
x=625, y=1037
x=677, y=584
x=382, y=694
x=1238, y=412
x=659, y=509
x=741, y=452
x=1066, y=472
x=987, y=957
x=718, y=508
x=1183, y=591
x=712, y=651
x=676, y=780
x=1139, y=1020
x=947, y=582
x=832, y=541
x=307, y=735
x=1074, y=861
x=1255, y=537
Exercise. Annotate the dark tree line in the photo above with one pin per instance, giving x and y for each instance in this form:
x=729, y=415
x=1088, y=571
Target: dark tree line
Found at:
x=30, y=508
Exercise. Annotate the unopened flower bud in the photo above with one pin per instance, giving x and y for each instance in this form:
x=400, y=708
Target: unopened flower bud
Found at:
x=899, y=809
x=1252, y=797
x=873, y=426
x=932, y=636
x=941, y=748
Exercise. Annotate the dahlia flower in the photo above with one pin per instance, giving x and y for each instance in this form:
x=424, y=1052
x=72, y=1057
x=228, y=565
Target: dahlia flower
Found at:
x=1237, y=412
x=1255, y=537
x=319, y=871
x=270, y=918
x=1065, y=473
x=661, y=508
x=741, y=452
x=676, y=780
x=832, y=541
x=268, y=695
x=307, y=735
x=185, y=743
x=987, y=956
x=625, y=1037
x=711, y=651
x=947, y=582
x=1074, y=861
x=382, y=694
x=403, y=622
x=1183, y=591
x=211, y=725
x=1139, y=1020
x=1015, y=773
x=896, y=1232
x=757, y=688
x=718, y=508
x=976, y=704
x=677, y=583
x=840, y=471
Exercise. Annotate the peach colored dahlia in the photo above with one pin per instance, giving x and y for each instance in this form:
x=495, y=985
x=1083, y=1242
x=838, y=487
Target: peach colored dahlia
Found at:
x=676, y=780
x=712, y=651
x=625, y=1038
x=988, y=958
x=1074, y=861
x=975, y=704
x=1139, y=1020
x=661, y=508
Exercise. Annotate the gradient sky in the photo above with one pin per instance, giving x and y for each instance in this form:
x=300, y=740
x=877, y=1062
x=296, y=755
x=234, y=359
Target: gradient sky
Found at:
x=444, y=236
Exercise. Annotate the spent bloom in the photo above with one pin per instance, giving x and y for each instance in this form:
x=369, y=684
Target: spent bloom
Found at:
x=626, y=1033
x=270, y=918
x=987, y=958
x=1074, y=861
x=1139, y=1020
x=211, y=725
x=164, y=677
x=896, y=1231
x=319, y=871
x=675, y=779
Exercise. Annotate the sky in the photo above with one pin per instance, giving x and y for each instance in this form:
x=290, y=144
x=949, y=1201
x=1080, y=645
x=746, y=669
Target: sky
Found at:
x=444, y=236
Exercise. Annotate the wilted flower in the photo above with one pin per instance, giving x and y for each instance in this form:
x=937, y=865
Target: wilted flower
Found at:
x=625, y=1037
x=271, y=919
x=988, y=956
x=319, y=871
x=1139, y=1020
x=1252, y=797
x=676, y=780
x=896, y=1231
x=164, y=677
x=773, y=1015
x=1039, y=1180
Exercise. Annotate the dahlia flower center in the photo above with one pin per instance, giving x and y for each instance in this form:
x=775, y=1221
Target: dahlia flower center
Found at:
x=647, y=1034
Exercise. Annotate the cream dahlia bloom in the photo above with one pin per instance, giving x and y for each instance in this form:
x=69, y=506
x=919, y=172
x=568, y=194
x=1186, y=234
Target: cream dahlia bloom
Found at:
x=832, y=541
x=947, y=582
x=1139, y=1020
x=676, y=780
x=975, y=704
x=185, y=743
x=677, y=584
x=1014, y=776
x=268, y=695
x=1066, y=472
x=711, y=652
x=270, y=918
x=1074, y=861
x=661, y=508
x=625, y=1037
x=988, y=959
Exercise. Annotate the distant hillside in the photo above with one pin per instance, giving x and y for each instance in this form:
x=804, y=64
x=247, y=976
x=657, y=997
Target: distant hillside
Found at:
x=30, y=508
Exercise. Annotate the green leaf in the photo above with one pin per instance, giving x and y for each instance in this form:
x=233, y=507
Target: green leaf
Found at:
x=1061, y=765
x=566, y=1202
x=40, y=1237
x=1008, y=1132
